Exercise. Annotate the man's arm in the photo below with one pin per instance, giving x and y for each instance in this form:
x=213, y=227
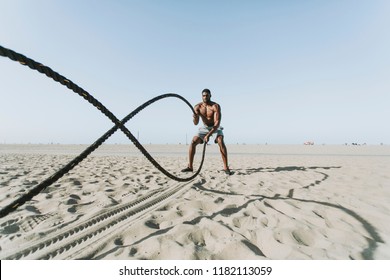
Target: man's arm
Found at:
x=196, y=115
x=217, y=121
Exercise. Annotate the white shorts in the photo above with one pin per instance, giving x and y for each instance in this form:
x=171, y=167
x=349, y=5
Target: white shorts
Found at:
x=204, y=130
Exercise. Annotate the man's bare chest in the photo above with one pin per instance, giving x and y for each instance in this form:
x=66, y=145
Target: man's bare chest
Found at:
x=207, y=111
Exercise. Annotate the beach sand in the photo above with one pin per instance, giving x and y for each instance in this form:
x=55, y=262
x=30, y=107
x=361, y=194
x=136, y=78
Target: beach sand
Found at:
x=282, y=202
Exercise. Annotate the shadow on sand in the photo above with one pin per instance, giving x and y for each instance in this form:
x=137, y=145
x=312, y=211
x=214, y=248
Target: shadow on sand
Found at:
x=367, y=253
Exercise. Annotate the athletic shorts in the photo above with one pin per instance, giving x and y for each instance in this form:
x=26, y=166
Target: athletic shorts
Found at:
x=203, y=130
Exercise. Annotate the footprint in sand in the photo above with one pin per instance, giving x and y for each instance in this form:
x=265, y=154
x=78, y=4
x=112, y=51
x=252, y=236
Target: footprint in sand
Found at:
x=10, y=226
x=152, y=224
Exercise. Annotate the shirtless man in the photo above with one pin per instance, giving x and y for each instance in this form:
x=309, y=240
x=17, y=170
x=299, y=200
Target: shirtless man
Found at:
x=210, y=112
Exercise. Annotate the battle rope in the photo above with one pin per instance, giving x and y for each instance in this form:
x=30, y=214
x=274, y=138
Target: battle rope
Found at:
x=118, y=125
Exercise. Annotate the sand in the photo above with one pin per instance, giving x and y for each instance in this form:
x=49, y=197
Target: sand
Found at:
x=282, y=202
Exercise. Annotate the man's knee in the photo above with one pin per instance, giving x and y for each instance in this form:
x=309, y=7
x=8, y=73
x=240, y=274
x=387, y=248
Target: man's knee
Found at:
x=219, y=140
x=196, y=140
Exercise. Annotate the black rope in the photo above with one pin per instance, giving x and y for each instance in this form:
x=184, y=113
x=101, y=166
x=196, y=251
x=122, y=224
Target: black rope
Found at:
x=118, y=125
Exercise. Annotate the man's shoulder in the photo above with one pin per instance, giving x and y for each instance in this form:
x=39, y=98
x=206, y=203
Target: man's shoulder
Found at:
x=216, y=105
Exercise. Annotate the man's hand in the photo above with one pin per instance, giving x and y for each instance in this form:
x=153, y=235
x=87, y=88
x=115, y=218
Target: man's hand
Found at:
x=206, y=138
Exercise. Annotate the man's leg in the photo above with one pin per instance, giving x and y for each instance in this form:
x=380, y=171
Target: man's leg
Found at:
x=223, y=150
x=191, y=153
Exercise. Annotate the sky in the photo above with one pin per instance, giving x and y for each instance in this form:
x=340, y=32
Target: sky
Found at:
x=283, y=72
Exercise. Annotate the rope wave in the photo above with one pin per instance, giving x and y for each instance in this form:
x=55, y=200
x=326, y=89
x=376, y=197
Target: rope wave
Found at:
x=118, y=124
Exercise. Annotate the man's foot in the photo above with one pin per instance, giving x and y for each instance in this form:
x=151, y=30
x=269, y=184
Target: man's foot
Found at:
x=187, y=169
x=227, y=172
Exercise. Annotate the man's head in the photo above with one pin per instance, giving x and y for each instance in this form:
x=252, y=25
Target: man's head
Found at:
x=206, y=95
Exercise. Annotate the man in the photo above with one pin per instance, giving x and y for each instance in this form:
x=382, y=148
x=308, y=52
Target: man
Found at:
x=210, y=112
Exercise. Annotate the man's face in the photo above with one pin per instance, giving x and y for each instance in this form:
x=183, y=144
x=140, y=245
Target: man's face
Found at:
x=206, y=97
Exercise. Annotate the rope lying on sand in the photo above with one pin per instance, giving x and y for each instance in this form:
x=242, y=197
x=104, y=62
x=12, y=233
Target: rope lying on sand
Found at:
x=119, y=124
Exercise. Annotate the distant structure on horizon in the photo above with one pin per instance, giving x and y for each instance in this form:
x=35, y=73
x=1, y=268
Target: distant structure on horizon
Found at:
x=308, y=143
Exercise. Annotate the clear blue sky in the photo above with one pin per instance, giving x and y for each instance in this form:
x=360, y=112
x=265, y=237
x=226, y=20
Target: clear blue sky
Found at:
x=284, y=72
